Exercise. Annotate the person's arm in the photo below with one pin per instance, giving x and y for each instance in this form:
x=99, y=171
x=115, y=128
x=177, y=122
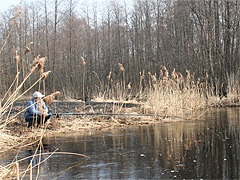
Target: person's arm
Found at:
x=31, y=108
x=45, y=108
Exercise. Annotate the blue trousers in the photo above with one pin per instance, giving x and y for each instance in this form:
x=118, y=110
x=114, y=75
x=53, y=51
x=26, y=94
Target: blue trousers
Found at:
x=39, y=119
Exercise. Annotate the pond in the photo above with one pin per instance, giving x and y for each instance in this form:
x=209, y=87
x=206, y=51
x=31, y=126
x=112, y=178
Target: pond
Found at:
x=202, y=149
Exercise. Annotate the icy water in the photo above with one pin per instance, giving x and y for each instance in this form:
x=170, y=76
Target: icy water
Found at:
x=204, y=149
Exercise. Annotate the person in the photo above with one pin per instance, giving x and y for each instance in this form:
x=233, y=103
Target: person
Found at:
x=37, y=111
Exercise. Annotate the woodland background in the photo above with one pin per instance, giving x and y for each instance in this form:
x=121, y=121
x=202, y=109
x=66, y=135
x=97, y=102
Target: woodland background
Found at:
x=84, y=45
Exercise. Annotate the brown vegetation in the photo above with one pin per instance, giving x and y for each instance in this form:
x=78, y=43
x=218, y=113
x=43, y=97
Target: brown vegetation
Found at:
x=201, y=36
x=127, y=48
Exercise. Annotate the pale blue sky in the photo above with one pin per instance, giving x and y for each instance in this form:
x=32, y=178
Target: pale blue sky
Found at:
x=5, y=4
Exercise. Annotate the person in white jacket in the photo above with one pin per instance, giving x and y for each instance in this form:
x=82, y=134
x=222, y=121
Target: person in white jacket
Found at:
x=37, y=111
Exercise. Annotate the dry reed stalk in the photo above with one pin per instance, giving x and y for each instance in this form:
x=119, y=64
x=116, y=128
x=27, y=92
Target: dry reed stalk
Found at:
x=16, y=56
x=110, y=80
x=49, y=155
x=17, y=169
x=13, y=97
x=31, y=171
x=44, y=75
x=123, y=82
x=54, y=152
x=10, y=87
x=142, y=74
x=101, y=85
x=10, y=106
x=83, y=62
x=15, y=163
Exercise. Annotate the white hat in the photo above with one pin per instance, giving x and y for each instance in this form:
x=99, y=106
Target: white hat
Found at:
x=37, y=95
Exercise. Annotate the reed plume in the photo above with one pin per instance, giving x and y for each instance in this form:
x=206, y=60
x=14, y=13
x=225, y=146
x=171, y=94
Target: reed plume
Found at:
x=39, y=62
x=83, y=61
x=129, y=86
x=17, y=57
x=188, y=74
x=49, y=99
x=13, y=20
x=17, y=12
x=164, y=72
x=174, y=75
x=121, y=67
x=109, y=76
x=45, y=75
x=27, y=49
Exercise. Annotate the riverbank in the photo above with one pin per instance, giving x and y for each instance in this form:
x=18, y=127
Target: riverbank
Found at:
x=88, y=116
x=78, y=117
x=109, y=115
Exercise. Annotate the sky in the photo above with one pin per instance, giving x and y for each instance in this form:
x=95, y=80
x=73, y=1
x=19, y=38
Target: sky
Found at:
x=5, y=4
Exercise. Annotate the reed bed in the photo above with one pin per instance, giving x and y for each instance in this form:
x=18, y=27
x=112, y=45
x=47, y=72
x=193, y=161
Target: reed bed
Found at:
x=175, y=95
x=185, y=96
x=170, y=94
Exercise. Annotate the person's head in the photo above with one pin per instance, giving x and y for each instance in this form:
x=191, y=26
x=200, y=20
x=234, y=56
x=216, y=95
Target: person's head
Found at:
x=37, y=95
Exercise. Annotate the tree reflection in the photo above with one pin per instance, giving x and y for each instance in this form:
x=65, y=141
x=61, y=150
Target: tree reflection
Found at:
x=203, y=149
x=207, y=149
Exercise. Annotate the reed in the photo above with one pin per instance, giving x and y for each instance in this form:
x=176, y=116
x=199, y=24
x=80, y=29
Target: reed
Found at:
x=14, y=93
x=175, y=95
x=83, y=62
x=49, y=99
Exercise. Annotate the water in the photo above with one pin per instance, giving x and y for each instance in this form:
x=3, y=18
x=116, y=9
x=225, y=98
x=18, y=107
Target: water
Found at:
x=204, y=149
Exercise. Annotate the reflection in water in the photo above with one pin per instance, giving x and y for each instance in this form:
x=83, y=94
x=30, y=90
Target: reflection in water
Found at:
x=33, y=159
x=35, y=162
x=207, y=149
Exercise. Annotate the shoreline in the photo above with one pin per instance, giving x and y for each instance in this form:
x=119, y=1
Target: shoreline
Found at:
x=17, y=135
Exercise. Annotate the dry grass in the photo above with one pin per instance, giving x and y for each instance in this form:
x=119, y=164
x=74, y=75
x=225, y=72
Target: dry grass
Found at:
x=175, y=95
x=9, y=139
x=170, y=94
x=186, y=96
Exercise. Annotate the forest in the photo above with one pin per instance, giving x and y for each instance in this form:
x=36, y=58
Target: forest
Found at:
x=96, y=49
